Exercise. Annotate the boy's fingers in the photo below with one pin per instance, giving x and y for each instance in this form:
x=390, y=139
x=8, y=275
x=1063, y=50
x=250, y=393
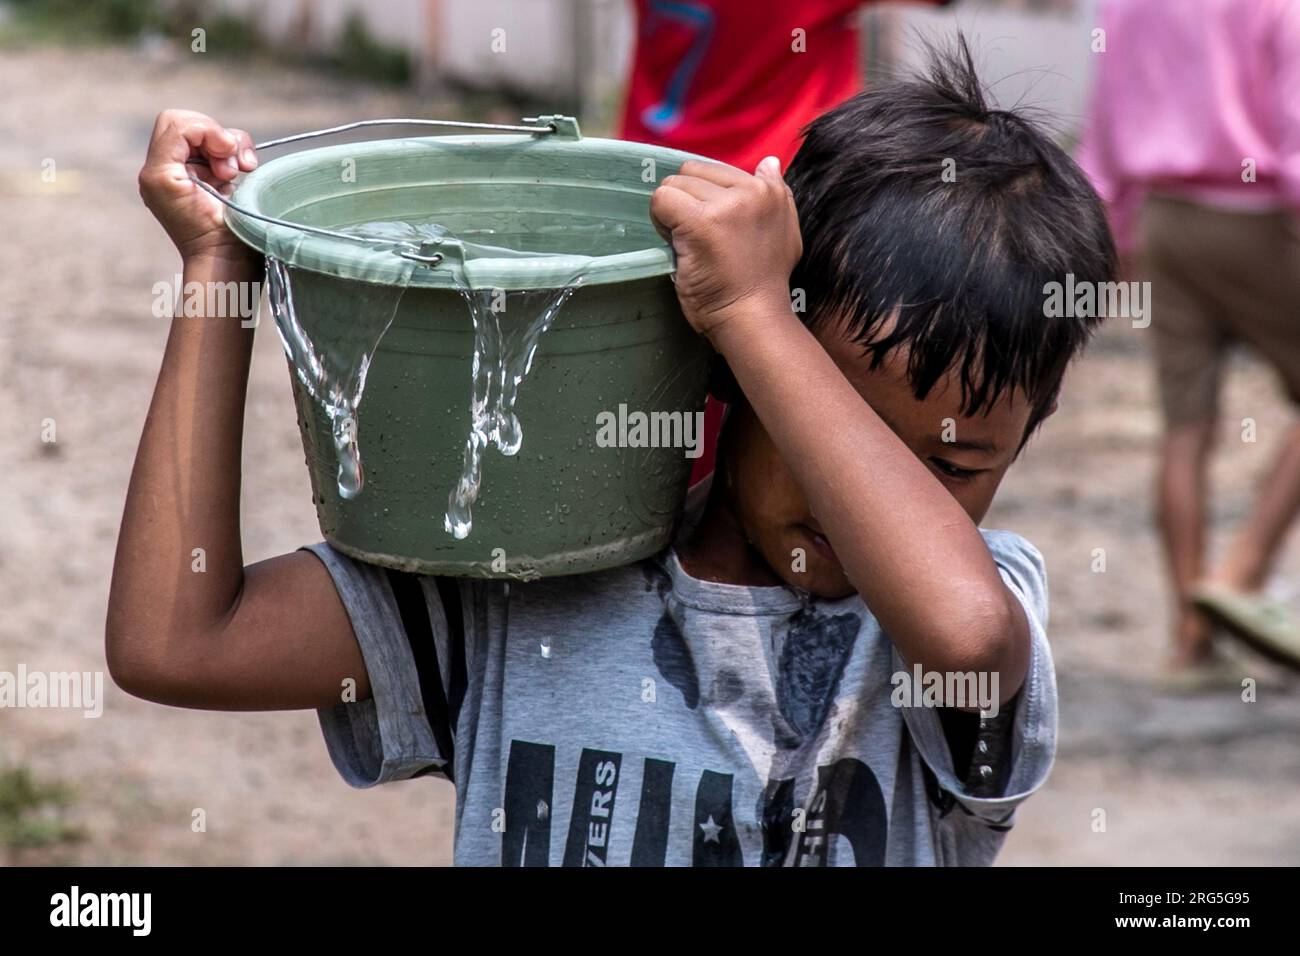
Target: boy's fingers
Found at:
x=244, y=150
x=220, y=148
x=701, y=189
x=180, y=134
x=207, y=135
x=719, y=173
x=670, y=207
x=216, y=180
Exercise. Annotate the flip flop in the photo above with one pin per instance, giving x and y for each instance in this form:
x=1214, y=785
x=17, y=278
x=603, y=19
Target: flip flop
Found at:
x=1258, y=621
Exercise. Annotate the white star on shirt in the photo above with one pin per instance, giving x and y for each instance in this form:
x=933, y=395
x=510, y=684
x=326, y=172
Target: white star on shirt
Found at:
x=711, y=831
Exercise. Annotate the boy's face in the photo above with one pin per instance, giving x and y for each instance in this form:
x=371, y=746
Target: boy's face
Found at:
x=773, y=512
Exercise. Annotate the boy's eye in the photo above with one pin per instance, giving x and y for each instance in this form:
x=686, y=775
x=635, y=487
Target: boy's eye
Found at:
x=952, y=471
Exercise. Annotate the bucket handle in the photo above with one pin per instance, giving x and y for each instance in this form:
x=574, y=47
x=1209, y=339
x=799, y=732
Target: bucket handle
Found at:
x=540, y=126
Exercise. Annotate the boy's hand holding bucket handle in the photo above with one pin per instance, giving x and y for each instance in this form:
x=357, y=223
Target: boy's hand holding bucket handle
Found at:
x=736, y=237
x=188, y=624
x=193, y=220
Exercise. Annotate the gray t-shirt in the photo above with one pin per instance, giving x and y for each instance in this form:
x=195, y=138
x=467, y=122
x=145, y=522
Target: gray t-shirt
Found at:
x=642, y=716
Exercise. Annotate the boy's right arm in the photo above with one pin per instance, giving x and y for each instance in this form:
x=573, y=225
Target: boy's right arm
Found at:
x=270, y=636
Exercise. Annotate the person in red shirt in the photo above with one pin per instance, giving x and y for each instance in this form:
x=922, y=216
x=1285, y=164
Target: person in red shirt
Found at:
x=737, y=81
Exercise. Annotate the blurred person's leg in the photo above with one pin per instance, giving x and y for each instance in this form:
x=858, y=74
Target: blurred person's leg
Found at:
x=1262, y=287
x=1250, y=558
x=1189, y=345
x=1182, y=499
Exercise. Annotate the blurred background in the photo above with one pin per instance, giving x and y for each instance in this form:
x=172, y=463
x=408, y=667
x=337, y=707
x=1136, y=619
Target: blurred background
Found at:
x=1184, y=780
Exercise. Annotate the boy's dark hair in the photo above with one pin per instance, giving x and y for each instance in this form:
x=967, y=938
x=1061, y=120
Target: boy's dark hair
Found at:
x=964, y=262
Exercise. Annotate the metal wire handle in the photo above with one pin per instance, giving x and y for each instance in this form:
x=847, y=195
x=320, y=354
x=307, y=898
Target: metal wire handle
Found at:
x=430, y=260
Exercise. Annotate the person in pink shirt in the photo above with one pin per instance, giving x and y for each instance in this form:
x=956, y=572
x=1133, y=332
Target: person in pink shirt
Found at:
x=1193, y=141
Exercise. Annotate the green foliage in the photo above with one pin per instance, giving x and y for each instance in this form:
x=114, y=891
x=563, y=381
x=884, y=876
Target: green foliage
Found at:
x=229, y=35
x=86, y=21
x=356, y=53
x=360, y=54
x=32, y=812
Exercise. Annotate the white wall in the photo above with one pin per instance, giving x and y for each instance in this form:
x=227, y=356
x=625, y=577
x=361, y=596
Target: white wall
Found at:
x=541, y=49
x=1034, y=59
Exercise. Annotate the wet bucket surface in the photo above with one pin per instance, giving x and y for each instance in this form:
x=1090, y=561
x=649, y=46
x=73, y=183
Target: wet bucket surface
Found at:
x=528, y=214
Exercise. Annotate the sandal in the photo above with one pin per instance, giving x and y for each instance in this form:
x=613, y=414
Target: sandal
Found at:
x=1260, y=622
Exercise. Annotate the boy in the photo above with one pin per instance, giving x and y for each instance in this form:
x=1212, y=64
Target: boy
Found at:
x=733, y=700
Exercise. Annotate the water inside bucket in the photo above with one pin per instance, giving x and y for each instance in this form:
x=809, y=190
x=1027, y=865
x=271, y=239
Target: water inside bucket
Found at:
x=521, y=233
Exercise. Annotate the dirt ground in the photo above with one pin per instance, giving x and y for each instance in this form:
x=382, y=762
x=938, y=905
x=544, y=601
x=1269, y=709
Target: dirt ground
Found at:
x=1202, y=781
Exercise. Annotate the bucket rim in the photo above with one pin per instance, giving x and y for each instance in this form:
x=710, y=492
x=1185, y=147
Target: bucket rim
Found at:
x=341, y=258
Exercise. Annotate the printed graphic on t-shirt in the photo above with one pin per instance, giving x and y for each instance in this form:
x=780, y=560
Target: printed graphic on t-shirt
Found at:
x=848, y=803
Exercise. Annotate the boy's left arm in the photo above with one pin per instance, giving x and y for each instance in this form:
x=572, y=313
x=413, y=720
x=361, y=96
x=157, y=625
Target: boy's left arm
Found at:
x=907, y=546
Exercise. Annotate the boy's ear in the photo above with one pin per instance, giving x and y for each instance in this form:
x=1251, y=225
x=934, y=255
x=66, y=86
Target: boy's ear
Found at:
x=722, y=384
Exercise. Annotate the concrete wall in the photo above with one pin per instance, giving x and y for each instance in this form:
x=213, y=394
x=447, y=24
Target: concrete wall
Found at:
x=550, y=45
x=1039, y=59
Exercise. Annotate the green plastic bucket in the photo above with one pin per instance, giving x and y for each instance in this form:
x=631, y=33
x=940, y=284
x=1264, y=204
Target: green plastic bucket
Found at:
x=566, y=502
